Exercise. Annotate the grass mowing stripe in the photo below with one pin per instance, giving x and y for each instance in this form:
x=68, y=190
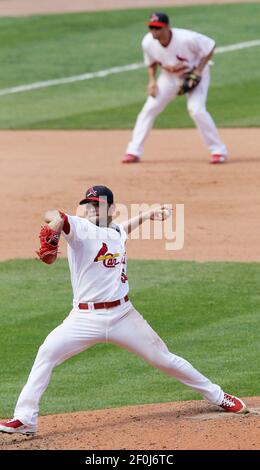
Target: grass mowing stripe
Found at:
x=76, y=78
x=110, y=71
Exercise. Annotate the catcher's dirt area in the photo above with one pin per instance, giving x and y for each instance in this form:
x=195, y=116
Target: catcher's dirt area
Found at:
x=44, y=170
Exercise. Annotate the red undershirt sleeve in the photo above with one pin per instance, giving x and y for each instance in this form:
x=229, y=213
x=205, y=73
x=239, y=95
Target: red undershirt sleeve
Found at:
x=66, y=225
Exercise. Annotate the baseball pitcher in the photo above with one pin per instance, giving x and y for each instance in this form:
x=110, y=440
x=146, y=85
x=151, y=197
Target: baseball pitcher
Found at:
x=102, y=310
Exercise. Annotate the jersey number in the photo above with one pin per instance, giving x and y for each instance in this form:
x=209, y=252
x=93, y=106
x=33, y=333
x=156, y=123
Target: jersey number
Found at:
x=124, y=277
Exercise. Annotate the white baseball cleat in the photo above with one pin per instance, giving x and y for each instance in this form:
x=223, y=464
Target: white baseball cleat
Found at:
x=13, y=425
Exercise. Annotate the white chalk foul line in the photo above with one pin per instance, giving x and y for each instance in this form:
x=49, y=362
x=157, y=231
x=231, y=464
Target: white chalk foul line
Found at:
x=111, y=71
x=236, y=47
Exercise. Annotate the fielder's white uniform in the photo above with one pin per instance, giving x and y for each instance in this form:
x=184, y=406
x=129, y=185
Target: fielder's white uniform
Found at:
x=97, y=262
x=187, y=48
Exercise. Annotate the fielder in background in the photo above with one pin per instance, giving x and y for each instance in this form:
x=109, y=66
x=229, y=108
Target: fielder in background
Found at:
x=102, y=311
x=183, y=57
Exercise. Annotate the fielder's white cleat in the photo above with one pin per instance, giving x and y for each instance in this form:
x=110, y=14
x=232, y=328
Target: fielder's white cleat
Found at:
x=13, y=425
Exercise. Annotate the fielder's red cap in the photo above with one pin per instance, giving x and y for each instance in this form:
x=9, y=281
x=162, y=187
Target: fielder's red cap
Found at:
x=159, y=19
x=100, y=194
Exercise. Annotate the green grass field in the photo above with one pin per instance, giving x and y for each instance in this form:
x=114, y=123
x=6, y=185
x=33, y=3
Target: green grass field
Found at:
x=40, y=48
x=206, y=312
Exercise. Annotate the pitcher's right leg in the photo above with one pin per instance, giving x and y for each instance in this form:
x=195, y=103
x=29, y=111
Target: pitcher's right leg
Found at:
x=167, y=89
x=77, y=333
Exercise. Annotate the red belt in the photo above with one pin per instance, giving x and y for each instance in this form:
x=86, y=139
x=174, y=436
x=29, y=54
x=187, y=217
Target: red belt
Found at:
x=89, y=306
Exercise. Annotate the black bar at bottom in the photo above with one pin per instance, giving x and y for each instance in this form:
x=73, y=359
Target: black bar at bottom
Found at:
x=134, y=458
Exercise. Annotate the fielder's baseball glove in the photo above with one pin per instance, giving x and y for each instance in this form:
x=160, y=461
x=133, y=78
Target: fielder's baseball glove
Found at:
x=190, y=81
x=49, y=240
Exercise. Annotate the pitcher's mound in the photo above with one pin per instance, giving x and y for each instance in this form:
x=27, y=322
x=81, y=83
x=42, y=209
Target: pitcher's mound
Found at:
x=180, y=425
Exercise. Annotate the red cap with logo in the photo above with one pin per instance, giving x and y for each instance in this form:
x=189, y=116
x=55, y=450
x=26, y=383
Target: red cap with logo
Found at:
x=99, y=194
x=159, y=19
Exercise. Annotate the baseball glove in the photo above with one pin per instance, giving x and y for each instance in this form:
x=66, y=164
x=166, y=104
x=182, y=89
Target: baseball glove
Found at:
x=190, y=81
x=49, y=240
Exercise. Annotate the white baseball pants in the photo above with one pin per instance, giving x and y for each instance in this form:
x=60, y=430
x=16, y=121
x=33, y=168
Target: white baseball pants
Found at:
x=168, y=87
x=124, y=327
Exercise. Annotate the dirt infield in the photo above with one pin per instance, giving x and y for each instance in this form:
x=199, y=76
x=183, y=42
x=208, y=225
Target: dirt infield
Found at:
x=172, y=426
x=43, y=170
x=39, y=7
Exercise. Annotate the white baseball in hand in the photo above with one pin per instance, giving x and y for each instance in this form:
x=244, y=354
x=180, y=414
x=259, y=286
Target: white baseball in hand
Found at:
x=161, y=213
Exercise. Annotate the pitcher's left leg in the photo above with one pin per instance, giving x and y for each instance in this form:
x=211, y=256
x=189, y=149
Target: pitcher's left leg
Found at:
x=196, y=104
x=133, y=333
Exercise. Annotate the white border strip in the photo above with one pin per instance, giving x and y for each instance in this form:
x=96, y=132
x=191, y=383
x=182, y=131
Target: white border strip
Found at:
x=111, y=71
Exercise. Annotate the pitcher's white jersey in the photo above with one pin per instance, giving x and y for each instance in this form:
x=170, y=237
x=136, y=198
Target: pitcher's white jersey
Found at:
x=97, y=261
x=185, y=46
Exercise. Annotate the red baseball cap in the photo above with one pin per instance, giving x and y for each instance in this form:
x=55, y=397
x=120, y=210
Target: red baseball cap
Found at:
x=159, y=19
